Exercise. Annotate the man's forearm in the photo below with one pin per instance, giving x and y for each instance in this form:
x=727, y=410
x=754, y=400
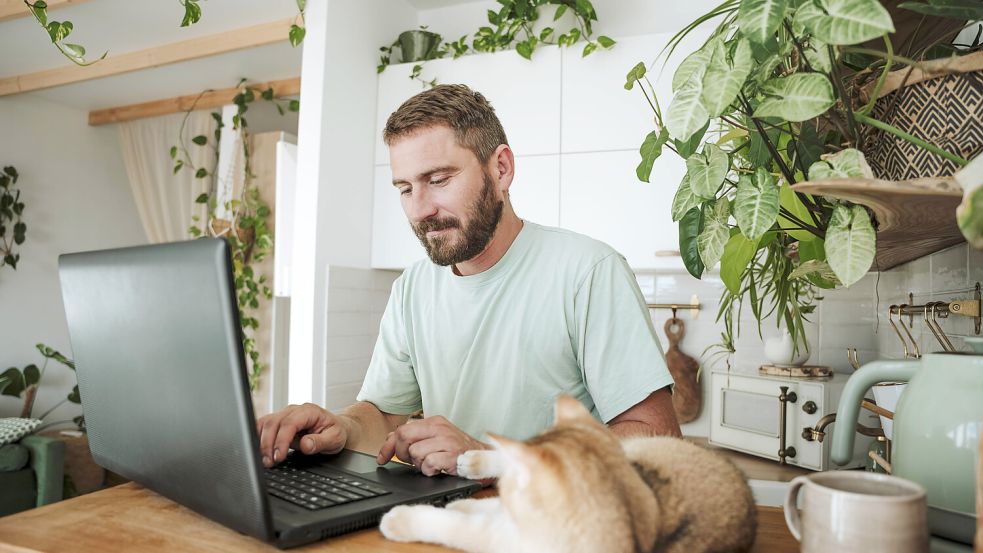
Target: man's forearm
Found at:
x=625, y=429
x=367, y=426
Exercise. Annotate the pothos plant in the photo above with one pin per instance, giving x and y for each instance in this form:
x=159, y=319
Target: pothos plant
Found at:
x=58, y=31
x=15, y=382
x=13, y=230
x=512, y=24
x=248, y=233
x=762, y=105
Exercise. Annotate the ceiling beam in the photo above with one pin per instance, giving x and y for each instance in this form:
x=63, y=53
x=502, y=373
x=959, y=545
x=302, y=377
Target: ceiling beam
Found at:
x=175, y=52
x=208, y=100
x=15, y=9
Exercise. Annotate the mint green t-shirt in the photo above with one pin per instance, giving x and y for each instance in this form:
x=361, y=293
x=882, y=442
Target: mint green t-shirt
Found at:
x=559, y=313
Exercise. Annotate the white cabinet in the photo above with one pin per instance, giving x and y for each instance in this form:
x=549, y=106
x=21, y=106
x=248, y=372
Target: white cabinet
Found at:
x=535, y=195
x=602, y=198
x=525, y=94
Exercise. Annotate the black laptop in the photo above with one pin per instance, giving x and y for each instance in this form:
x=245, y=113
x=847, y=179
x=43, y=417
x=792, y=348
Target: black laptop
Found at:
x=157, y=344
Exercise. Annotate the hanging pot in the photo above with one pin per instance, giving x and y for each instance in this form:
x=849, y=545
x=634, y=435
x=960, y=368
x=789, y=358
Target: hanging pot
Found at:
x=418, y=45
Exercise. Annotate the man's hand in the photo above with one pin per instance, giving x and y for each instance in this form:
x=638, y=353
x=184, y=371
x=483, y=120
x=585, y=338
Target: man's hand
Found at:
x=431, y=444
x=306, y=428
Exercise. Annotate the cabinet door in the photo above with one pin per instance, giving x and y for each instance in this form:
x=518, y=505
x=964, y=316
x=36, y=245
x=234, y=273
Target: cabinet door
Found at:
x=598, y=113
x=524, y=93
x=602, y=198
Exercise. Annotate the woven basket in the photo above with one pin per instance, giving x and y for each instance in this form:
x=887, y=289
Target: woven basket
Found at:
x=941, y=103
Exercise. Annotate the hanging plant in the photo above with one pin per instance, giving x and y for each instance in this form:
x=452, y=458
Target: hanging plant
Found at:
x=13, y=230
x=772, y=99
x=248, y=232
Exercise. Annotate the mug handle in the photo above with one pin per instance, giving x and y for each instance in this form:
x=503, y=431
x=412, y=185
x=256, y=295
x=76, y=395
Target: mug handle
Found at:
x=791, y=508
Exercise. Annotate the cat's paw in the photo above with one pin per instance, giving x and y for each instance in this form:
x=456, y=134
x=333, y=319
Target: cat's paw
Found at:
x=464, y=505
x=477, y=464
x=399, y=522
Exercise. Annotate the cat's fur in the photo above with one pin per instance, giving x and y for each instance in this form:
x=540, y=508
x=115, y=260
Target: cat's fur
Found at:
x=577, y=487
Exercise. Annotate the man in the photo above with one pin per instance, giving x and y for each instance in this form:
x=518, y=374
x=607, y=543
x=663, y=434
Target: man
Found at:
x=508, y=314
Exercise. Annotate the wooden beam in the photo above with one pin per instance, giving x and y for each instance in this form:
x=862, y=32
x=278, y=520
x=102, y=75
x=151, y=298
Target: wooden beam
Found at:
x=211, y=45
x=15, y=9
x=208, y=100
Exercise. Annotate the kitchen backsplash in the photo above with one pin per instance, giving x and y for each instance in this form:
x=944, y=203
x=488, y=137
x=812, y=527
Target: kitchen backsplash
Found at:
x=854, y=317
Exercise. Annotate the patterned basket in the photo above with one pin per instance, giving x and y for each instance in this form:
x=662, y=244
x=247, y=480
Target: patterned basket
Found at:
x=941, y=103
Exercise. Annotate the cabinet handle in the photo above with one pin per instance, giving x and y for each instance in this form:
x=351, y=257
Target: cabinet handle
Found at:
x=783, y=400
x=809, y=407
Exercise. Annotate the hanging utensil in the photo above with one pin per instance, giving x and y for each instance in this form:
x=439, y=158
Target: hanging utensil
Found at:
x=686, y=395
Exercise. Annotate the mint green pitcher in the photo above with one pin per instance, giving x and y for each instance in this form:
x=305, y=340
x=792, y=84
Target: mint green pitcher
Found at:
x=937, y=428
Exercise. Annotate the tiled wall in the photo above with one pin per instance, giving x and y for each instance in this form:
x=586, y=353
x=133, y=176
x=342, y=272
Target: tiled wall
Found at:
x=356, y=301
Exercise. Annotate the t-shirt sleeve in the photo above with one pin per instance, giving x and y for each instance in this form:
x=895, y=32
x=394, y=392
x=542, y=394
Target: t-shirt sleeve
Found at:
x=390, y=381
x=619, y=353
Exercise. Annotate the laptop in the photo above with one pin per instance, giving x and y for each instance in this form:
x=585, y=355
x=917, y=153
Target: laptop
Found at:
x=157, y=344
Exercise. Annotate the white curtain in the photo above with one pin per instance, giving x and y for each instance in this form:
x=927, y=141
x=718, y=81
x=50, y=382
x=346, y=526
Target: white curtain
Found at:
x=165, y=201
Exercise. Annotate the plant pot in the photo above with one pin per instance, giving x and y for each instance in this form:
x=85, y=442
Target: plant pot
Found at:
x=418, y=45
x=942, y=104
x=222, y=228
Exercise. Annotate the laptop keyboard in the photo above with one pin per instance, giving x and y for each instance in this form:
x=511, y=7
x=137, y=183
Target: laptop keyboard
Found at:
x=316, y=491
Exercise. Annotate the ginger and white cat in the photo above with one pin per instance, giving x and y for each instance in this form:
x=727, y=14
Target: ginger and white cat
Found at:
x=577, y=487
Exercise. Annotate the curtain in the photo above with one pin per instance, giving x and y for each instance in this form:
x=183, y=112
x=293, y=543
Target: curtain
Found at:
x=166, y=201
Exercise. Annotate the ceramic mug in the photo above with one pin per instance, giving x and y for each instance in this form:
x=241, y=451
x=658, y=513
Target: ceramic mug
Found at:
x=857, y=511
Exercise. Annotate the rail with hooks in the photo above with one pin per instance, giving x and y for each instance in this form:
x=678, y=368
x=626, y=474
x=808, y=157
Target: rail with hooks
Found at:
x=930, y=313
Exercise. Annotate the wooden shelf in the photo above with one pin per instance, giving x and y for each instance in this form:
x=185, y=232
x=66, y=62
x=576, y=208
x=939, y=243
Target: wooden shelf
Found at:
x=914, y=217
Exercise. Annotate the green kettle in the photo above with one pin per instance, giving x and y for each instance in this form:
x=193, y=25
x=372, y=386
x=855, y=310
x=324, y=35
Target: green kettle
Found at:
x=937, y=428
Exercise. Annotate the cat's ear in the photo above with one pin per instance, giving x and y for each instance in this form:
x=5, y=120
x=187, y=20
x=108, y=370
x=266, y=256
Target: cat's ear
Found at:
x=518, y=457
x=568, y=409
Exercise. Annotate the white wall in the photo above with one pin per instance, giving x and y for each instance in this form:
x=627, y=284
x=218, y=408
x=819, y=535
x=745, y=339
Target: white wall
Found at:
x=77, y=198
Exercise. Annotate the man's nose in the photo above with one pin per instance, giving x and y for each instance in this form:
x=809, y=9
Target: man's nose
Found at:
x=420, y=206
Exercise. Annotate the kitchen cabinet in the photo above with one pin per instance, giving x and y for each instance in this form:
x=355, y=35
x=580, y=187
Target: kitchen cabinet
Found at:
x=602, y=198
x=535, y=195
x=525, y=94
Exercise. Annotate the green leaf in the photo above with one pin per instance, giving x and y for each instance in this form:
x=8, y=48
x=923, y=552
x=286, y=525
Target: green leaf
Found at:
x=684, y=200
x=969, y=216
x=173, y=152
x=14, y=382
x=843, y=22
x=815, y=268
x=74, y=396
x=559, y=12
x=725, y=77
x=791, y=203
x=795, y=98
x=178, y=166
x=77, y=50
x=606, y=42
x=201, y=173
x=545, y=33
x=707, y=170
x=690, y=227
x=267, y=94
x=192, y=13
x=817, y=54
x=756, y=204
x=758, y=19
x=686, y=112
x=715, y=233
x=850, y=243
x=296, y=35
x=686, y=148
x=524, y=49
x=40, y=11
x=738, y=253
x=294, y=105
x=200, y=140
x=845, y=164
x=650, y=151
x=635, y=74
x=694, y=66
x=588, y=48
x=963, y=10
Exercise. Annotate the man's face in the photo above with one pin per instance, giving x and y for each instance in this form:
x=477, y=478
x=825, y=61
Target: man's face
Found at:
x=452, y=202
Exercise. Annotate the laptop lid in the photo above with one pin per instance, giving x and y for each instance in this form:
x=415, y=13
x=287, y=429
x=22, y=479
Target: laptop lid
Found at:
x=156, y=339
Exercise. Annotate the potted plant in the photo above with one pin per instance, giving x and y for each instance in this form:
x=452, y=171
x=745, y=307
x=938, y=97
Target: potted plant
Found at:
x=32, y=466
x=774, y=97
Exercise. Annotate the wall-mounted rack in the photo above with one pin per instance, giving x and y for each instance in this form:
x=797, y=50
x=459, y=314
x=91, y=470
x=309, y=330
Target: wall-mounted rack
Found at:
x=694, y=306
x=930, y=313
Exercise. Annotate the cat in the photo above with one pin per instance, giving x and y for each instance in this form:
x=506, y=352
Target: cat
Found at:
x=577, y=487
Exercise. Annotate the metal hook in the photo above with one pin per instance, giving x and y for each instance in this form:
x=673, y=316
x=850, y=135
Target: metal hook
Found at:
x=914, y=345
x=890, y=311
x=851, y=356
x=940, y=334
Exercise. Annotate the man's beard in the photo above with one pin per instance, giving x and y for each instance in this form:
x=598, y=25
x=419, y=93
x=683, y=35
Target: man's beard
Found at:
x=483, y=218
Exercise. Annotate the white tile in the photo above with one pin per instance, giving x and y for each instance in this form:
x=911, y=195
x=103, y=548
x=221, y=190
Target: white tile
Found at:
x=949, y=269
x=841, y=336
x=920, y=275
x=383, y=280
x=894, y=282
x=352, y=323
x=339, y=396
x=975, y=266
x=351, y=370
x=348, y=300
x=348, y=277
x=346, y=348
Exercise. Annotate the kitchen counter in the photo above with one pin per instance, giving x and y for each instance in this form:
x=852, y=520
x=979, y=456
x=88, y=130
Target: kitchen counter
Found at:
x=130, y=517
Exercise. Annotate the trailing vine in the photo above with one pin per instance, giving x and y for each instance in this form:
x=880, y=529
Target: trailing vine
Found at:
x=58, y=31
x=11, y=210
x=512, y=25
x=248, y=231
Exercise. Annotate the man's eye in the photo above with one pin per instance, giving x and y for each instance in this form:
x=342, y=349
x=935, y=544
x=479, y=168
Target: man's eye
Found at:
x=438, y=182
x=405, y=191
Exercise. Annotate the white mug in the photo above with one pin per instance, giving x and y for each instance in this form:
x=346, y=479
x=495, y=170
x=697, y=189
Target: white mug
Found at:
x=846, y=511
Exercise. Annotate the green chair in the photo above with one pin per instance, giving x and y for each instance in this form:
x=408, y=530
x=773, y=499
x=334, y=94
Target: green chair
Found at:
x=34, y=481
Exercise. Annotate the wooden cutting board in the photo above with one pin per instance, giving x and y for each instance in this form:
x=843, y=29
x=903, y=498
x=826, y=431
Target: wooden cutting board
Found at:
x=687, y=395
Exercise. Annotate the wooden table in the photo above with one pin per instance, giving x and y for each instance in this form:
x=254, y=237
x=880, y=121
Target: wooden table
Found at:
x=130, y=517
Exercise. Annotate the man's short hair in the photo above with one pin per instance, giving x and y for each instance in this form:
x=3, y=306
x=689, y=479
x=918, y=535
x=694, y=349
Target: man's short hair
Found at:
x=466, y=112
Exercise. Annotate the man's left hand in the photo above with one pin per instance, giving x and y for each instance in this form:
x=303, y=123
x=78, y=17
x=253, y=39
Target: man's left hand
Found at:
x=431, y=444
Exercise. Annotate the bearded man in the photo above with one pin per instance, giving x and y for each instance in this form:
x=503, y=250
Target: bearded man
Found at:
x=504, y=316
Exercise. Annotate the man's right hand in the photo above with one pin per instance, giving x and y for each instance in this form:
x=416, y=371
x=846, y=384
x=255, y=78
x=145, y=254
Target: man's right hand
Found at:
x=307, y=428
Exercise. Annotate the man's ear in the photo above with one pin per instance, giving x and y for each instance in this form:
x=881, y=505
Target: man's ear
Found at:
x=568, y=409
x=518, y=457
x=502, y=166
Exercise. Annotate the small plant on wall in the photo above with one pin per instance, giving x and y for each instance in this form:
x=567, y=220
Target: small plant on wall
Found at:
x=783, y=91
x=248, y=231
x=13, y=230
